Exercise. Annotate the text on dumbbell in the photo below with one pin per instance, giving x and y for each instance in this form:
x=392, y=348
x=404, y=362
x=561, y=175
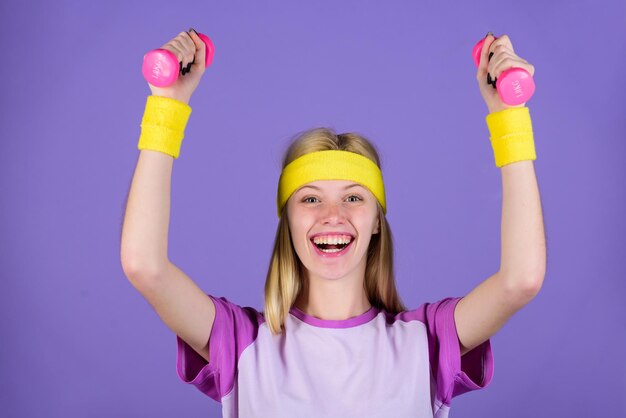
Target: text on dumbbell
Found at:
x=156, y=69
x=517, y=88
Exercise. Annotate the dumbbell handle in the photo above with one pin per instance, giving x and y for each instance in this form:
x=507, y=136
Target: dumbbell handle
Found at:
x=515, y=85
x=161, y=67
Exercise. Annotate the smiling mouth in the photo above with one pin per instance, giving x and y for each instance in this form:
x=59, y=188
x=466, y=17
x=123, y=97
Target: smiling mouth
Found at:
x=330, y=245
x=331, y=248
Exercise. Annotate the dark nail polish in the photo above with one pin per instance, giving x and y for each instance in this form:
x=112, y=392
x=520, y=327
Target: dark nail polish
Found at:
x=188, y=67
x=184, y=71
x=489, y=78
x=180, y=66
x=490, y=55
x=194, y=31
x=489, y=33
x=494, y=82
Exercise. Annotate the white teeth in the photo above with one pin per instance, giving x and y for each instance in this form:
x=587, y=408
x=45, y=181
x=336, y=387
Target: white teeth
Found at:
x=332, y=250
x=334, y=240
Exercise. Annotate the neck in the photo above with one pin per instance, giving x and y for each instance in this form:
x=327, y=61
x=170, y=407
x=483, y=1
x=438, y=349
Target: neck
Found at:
x=336, y=299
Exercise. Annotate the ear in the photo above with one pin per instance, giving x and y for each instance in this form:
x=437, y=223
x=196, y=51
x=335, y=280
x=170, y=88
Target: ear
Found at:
x=377, y=229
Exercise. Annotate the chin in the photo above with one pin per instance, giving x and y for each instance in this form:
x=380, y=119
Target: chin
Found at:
x=331, y=272
x=330, y=275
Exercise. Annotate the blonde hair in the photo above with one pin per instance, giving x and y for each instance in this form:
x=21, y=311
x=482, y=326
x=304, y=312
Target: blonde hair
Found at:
x=284, y=277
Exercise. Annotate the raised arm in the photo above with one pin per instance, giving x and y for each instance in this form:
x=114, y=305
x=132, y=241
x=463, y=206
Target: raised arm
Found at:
x=483, y=311
x=180, y=303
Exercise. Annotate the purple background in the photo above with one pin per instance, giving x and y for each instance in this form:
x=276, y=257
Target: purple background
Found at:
x=79, y=340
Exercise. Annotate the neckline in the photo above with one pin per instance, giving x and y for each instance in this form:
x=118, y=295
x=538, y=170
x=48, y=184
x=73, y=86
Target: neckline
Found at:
x=335, y=323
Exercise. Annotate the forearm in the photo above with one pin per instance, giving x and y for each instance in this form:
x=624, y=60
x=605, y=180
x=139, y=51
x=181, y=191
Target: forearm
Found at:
x=146, y=221
x=523, y=258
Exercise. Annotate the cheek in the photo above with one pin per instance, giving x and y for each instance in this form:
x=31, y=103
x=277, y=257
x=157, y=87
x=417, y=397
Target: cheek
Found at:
x=298, y=231
x=368, y=224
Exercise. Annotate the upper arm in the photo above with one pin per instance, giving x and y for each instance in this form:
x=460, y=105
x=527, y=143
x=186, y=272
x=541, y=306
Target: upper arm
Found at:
x=181, y=304
x=484, y=310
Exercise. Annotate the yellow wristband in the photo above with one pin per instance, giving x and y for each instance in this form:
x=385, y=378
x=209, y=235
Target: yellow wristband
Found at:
x=163, y=125
x=511, y=135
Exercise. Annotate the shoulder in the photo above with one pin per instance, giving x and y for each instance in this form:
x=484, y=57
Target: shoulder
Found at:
x=231, y=310
x=427, y=313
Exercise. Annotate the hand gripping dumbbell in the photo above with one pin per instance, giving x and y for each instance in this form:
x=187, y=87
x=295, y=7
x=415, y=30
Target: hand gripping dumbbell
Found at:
x=161, y=67
x=515, y=85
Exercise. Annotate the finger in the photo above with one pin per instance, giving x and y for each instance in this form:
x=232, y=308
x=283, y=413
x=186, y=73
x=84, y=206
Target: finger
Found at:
x=491, y=52
x=502, y=42
x=496, y=54
x=200, y=48
x=482, y=67
x=186, y=50
x=182, y=61
x=495, y=64
x=507, y=63
x=174, y=49
x=190, y=47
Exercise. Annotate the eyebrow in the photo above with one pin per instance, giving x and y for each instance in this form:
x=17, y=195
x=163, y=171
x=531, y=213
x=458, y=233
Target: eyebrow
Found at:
x=345, y=188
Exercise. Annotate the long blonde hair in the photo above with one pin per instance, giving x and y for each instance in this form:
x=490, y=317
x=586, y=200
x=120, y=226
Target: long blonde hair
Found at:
x=284, y=277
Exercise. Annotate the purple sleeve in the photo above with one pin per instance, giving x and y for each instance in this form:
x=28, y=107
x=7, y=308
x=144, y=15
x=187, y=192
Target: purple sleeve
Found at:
x=454, y=375
x=234, y=329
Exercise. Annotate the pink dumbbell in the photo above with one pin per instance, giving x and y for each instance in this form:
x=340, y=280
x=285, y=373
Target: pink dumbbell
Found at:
x=515, y=85
x=161, y=67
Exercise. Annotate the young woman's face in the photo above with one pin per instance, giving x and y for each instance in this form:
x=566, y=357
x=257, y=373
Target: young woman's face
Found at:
x=331, y=224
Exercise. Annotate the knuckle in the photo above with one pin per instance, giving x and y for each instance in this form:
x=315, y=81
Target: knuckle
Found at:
x=497, y=50
x=171, y=49
x=507, y=41
x=503, y=48
x=508, y=54
x=508, y=62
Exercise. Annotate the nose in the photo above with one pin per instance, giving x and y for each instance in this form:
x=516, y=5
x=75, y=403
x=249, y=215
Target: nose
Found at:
x=332, y=214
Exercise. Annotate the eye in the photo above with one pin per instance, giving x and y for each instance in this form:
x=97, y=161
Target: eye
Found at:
x=313, y=199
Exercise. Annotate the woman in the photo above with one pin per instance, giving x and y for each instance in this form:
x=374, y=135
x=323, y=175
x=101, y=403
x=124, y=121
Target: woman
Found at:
x=334, y=338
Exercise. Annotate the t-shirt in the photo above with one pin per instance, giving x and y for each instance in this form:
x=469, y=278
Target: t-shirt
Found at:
x=376, y=364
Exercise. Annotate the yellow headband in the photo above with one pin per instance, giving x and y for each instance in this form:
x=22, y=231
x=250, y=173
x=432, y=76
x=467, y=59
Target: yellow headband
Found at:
x=330, y=165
